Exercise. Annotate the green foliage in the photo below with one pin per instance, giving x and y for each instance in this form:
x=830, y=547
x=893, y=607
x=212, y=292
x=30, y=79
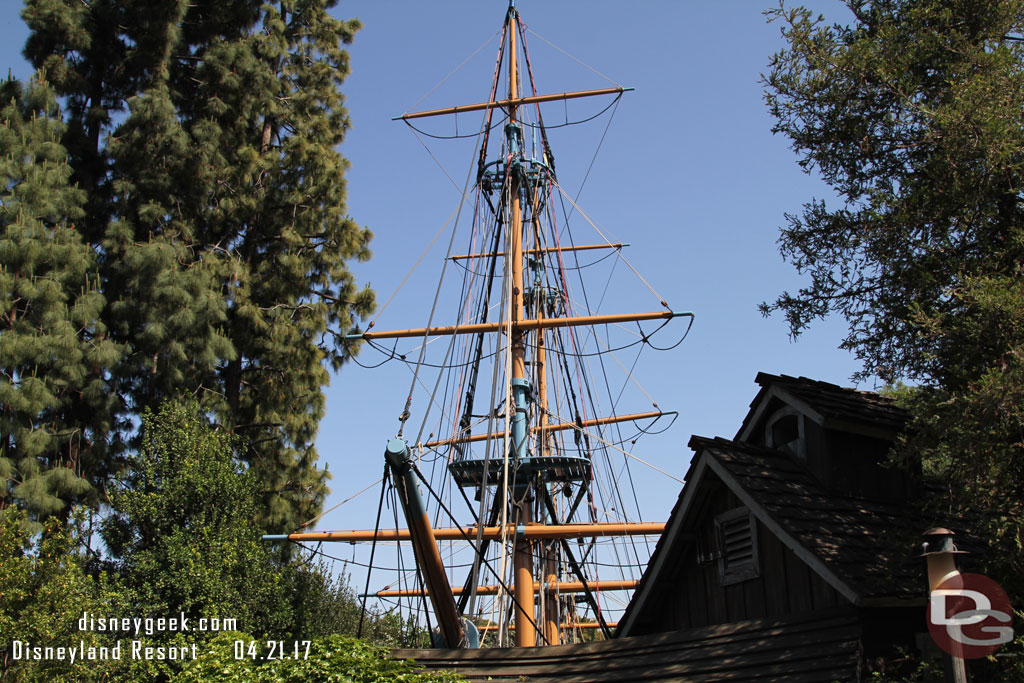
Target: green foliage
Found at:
x=905, y=667
x=183, y=543
x=204, y=136
x=183, y=535
x=333, y=658
x=914, y=115
x=54, y=401
x=182, y=529
x=322, y=605
x=43, y=593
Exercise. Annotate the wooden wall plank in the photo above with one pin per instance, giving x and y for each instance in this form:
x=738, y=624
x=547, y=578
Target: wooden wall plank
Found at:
x=798, y=584
x=773, y=569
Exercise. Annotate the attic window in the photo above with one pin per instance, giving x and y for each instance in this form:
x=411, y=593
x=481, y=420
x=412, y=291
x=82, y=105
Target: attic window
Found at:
x=736, y=532
x=785, y=432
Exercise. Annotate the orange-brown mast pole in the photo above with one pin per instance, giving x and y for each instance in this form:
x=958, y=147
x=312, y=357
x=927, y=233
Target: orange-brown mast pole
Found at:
x=546, y=250
x=568, y=626
x=522, y=557
x=549, y=560
x=421, y=532
x=512, y=103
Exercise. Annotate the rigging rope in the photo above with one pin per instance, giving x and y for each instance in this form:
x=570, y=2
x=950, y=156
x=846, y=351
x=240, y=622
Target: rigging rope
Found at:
x=607, y=241
x=627, y=453
x=578, y=61
x=335, y=507
x=404, y=416
x=414, y=267
x=597, y=151
x=373, y=548
x=456, y=69
x=457, y=136
x=436, y=160
x=577, y=122
x=466, y=536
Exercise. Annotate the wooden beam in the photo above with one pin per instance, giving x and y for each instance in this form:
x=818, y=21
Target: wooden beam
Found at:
x=511, y=102
x=573, y=625
x=560, y=587
x=493, y=533
x=521, y=326
x=561, y=426
x=548, y=250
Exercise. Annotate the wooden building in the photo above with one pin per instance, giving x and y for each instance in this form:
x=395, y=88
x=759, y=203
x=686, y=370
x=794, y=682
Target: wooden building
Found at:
x=801, y=517
x=792, y=554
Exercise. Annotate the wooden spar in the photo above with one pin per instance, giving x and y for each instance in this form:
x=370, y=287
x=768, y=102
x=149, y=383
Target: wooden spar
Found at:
x=561, y=426
x=513, y=102
x=491, y=533
x=570, y=626
x=520, y=325
x=557, y=587
x=522, y=556
x=421, y=532
x=546, y=250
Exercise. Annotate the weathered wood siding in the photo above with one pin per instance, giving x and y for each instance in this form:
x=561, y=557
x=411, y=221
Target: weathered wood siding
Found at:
x=691, y=594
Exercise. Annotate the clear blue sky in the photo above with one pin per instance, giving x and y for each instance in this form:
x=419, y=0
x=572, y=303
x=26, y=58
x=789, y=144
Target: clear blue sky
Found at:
x=689, y=174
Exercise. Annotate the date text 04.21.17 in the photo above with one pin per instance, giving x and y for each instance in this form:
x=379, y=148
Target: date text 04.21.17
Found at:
x=271, y=649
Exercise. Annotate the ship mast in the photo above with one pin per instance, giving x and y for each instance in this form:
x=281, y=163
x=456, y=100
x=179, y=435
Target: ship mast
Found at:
x=526, y=634
x=538, y=527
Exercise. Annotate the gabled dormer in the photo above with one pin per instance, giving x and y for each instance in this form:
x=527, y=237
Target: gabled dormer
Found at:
x=841, y=436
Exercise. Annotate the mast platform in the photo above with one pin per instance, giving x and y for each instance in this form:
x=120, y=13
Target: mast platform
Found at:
x=544, y=469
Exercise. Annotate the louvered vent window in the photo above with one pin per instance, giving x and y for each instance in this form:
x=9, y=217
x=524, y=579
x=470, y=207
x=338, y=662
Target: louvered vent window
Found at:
x=736, y=532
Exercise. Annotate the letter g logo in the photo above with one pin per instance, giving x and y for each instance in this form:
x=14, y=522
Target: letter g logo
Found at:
x=963, y=613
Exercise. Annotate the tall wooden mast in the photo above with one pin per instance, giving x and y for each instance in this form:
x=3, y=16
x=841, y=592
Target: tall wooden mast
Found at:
x=526, y=487
x=526, y=633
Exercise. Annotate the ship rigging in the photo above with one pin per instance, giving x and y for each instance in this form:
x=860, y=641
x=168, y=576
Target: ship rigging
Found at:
x=526, y=458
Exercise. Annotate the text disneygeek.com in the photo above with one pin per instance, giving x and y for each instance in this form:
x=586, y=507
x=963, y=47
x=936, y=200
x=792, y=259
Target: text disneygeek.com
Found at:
x=23, y=650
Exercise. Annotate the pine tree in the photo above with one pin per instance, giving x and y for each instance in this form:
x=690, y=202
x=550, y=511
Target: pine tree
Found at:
x=217, y=200
x=55, y=405
x=914, y=115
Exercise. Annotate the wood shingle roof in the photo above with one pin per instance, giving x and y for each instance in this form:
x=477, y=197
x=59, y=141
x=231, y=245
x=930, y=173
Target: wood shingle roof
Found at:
x=785, y=650
x=871, y=546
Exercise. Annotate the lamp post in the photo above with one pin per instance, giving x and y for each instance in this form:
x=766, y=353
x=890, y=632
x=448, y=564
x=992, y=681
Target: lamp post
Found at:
x=940, y=553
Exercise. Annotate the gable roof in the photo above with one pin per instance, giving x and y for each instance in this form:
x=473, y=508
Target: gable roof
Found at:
x=828, y=404
x=865, y=549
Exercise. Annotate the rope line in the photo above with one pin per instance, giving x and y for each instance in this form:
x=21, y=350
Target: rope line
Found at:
x=456, y=69
x=608, y=241
x=578, y=61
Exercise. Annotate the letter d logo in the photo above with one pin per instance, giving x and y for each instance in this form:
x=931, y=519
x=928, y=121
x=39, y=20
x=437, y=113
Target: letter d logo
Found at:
x=964, y=614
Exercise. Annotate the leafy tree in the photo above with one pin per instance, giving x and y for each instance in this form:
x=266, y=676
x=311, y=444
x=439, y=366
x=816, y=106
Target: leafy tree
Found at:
x=914, y=115
x=55, y=405
x=324, y=605
x=181, y=529
x=204, y=135
x=43, y=593
x=183, y=539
